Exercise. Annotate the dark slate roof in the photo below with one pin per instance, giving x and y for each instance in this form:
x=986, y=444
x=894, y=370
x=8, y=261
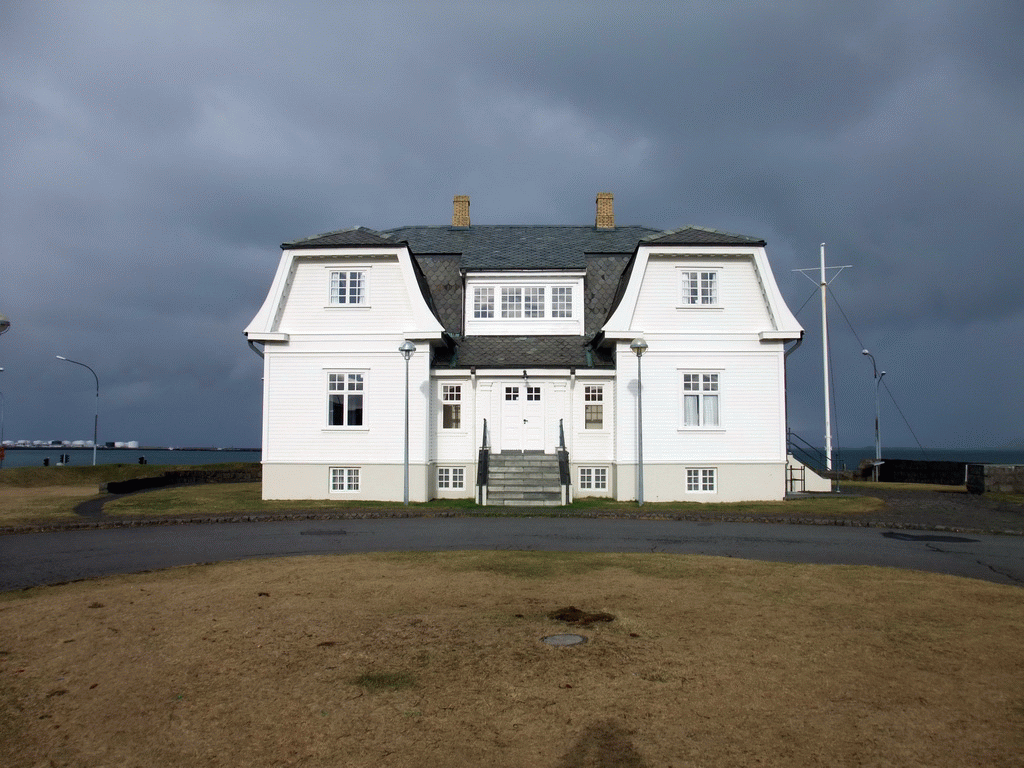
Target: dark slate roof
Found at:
x=442, y=253
x=445, y=288
x=356, y=236
x=701, y=236
x=522, y=352
x=521, y=247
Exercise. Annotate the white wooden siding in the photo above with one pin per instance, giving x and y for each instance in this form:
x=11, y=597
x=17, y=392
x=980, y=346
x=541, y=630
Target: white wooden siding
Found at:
x=740, y=309
x=751, y=406
x=595, y=446
x=307, y=309
x=454, y=445
x=295, y=410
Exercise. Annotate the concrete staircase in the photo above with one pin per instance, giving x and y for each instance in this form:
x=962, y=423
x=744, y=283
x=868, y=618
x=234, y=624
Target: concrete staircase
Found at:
x=527, y=479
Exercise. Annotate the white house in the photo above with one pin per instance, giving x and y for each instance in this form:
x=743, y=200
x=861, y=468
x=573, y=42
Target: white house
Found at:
x=523, y=367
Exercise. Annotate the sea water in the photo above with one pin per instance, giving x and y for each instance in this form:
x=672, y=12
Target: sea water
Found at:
x=82, y=457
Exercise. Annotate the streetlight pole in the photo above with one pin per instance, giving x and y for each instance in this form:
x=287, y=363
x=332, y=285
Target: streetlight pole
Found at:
x=878, y=438
x=639, y=346
x=407, y=348
x=3, y=450
x=96, y=421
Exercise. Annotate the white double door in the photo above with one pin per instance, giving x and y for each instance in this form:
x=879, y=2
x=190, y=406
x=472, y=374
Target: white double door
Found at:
x=522, y=417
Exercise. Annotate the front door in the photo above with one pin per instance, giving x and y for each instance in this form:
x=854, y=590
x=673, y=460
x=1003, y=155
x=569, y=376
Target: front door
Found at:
x=522, y=418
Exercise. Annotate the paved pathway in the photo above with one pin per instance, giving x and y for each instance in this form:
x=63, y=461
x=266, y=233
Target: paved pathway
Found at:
x=46, y=558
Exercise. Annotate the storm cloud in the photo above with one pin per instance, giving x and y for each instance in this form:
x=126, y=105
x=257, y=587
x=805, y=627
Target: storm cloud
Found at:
x=155, y=155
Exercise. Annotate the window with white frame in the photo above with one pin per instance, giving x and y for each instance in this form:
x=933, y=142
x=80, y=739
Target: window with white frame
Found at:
x=451, y=477
x=593, y=406
x=593, y=478
x=561, y=301
x=533, y=301
x=700, y=288
x=483, y=302
x=522, y=302
x=533, y=394
x=344, y=479
x=451, y=406
x=348, y=287
x=511, y=302
x=700, y=400
x=345, y=399
x=701, y=480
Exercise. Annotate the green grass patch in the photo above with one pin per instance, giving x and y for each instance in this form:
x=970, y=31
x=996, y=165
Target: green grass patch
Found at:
x=377, y=682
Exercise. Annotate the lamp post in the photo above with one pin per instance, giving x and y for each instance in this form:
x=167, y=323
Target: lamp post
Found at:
x=639, y=346
x=96, y=421
x=3, y=450
x=878, y=438
x=407, y=348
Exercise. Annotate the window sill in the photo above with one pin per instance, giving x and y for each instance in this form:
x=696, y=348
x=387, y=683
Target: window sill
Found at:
x=700, y=306
x=347, y=306
x=346, y=429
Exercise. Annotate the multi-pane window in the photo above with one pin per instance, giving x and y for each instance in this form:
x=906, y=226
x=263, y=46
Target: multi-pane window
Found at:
x=593, y=478
x=451, y=406
x=344, y=479
x=700, y=288
x=593, y=407
x=345, y=400
x=451, y=477
x=532, y=393
x=519, y=302
x=561, y=301
x=483, y=302
x=700, y=400
x=348, y=287
x=511, y=302
x=703, y=480
x=533, y=301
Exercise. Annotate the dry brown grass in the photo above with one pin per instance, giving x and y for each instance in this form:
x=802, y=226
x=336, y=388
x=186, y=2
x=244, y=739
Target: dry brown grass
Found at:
x=52, y=504
x=436, y=660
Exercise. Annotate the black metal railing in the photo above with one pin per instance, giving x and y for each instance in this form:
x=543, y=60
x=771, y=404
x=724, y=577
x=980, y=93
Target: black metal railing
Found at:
x=806, y=453
x=482, y=467
x=564, y=477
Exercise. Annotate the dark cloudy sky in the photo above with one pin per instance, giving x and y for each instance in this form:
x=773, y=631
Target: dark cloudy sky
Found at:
x=155, y=155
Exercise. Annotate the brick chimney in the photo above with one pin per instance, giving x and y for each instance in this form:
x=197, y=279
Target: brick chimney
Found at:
x=460, y=217
x=605, y=211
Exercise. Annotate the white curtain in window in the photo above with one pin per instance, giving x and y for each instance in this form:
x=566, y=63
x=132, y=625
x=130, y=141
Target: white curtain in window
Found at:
x=691, y=410
x=710, y=410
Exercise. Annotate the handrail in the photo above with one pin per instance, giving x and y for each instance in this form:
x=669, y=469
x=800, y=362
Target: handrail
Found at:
x=809, y=454
x=483, y=468
x=561, y=434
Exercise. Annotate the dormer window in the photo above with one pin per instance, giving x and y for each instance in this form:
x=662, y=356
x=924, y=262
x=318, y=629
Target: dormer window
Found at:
x=483, y=302
x=499, y=303
x=348, y=287
x=700, y=288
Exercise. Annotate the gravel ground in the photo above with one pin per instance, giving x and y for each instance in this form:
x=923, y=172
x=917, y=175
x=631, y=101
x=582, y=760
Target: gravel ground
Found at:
x=945, y=510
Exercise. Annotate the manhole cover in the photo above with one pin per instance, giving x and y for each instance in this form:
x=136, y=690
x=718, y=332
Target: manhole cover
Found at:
x=564, y=639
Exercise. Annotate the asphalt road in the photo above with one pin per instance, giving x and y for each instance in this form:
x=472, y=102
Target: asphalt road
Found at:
x=35, y=559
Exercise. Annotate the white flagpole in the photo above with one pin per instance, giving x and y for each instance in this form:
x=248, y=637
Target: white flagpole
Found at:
x=824, y=366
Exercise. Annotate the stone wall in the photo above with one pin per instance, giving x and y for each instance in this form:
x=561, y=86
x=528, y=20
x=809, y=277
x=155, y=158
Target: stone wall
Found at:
x=995, y=478
x=251, y=473
x=933, y=472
